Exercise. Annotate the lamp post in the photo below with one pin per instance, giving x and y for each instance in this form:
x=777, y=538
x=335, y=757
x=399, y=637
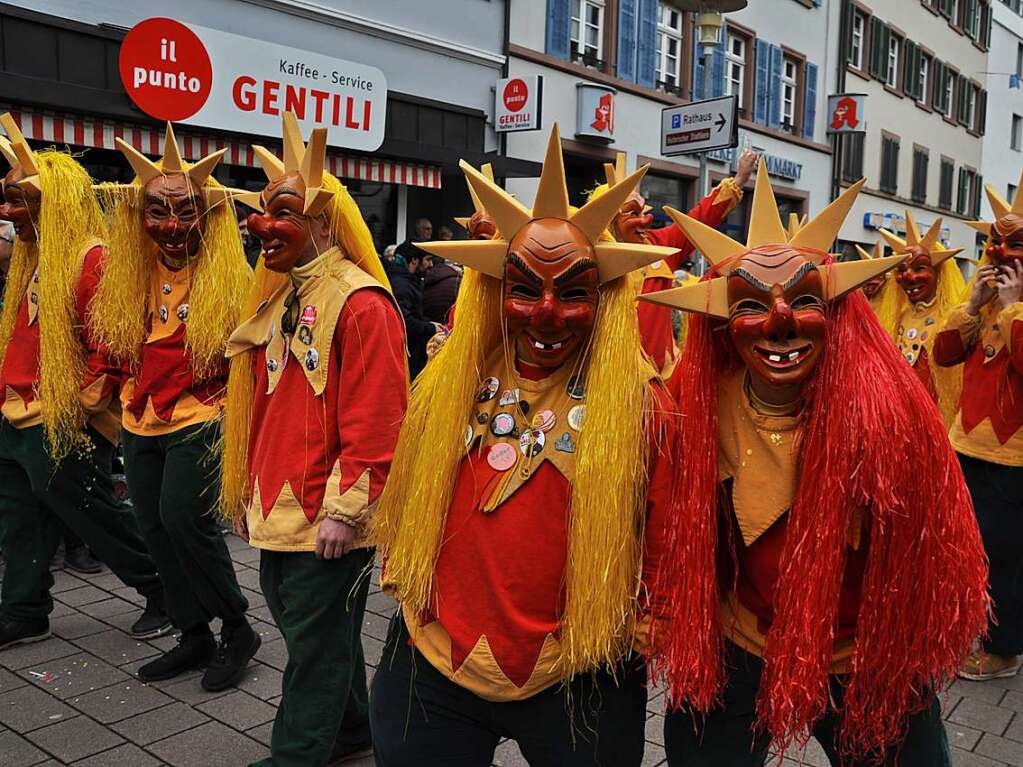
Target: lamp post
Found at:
x=709, y=21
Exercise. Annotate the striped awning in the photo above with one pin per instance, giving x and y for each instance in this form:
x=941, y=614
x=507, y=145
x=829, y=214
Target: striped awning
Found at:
x=79, y=130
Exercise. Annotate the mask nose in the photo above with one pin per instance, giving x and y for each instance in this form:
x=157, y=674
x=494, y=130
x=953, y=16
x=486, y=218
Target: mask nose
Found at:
x=546, y=314
x=259, y=225
x=995, y=251
x=780, y=324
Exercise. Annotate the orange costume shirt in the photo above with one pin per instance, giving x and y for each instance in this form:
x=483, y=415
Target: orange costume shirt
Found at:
x=989, y=422
x=162, y=395
x=329, y=401
x=499, y=578
x=19, y=376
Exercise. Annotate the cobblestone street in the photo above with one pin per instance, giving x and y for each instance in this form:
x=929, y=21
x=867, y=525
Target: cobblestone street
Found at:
x=74, y=700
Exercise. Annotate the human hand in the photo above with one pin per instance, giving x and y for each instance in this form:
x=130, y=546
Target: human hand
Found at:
x=1010, y=284
x=984, y=289
x=747, y=162
x=334, y=539
x=241, y=527
x=436, y=343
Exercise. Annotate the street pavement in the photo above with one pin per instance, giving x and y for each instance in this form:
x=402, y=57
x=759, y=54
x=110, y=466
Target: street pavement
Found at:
x=74, y=699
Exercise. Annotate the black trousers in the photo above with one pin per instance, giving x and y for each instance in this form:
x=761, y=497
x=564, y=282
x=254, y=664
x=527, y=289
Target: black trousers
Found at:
x=174, y=481
x=422, y=719
x=38, y=498
x=997, y=493
x=318, y=606
x=725, y=737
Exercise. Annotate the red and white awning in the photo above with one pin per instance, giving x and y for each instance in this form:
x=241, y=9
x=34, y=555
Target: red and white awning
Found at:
x=98, y=133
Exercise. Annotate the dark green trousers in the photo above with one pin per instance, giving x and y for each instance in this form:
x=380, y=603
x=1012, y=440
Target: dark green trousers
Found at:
x=318, y=606
x=37, y=496
x=174, y=481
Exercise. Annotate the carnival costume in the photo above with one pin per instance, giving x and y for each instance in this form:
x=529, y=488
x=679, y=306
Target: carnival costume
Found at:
x=59, y=416
x=925, y=287
x=316, y=395
x=873, y=288
x=170, y=295
x=985, y=335
x=527, y=497
x=630, y=225
x=825, y=575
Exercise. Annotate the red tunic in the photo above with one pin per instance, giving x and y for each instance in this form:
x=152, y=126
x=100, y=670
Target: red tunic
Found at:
x=19, y=376
x=655, y=326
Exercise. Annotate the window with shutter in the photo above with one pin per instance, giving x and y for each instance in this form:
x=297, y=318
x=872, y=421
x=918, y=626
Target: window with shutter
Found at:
x=558, y=24
x=978, y=184
x=876, y=46
x=910, y=69
x=889, y=164
x=920, y=160
x=937, y=86
x=962, y=192
x=810, y=101
x=982, y=112
x=761, y=85
x=945, y=184
x=852, y=156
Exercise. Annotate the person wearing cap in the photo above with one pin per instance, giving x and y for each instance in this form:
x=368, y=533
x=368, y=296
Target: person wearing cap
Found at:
x=521, y=524
x=59, y=420
x=825, y=575
x=984, y=334
x=316, y=396
x=170, y=295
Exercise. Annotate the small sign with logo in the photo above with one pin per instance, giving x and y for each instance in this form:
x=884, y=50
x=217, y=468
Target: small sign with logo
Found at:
x=518, y=104
x=846, y=113
x=595, y=111
x=199, y=76
x=701, y=126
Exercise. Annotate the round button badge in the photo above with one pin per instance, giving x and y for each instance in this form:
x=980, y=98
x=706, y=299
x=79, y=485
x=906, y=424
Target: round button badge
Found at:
x=531, y=442
x=501, y=456
x=502, y=424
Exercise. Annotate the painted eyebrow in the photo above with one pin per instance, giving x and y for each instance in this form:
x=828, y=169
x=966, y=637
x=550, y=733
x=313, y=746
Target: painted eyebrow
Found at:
x=516, y=260
x=801, y=272
x=579, y=267
x=755, y=282
x=282, y=191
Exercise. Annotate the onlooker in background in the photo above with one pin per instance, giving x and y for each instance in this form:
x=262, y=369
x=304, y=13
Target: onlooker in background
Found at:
x=389, y=253
x=250, y=243
x=440, y=289
x=407, y=286
x=445, y=234
x=6, y=246
x=408, y=250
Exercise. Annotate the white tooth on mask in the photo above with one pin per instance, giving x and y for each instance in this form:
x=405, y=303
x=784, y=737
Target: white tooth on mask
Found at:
x=793, y=356
x=774, y=357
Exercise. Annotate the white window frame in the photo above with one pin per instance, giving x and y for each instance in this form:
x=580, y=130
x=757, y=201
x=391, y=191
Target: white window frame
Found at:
x=735, y=62
x=859, y=28
x=580, y=24
x=971, y=106
x=665, y=34
x=788, y=90
x=950, y=86
x=894, y=49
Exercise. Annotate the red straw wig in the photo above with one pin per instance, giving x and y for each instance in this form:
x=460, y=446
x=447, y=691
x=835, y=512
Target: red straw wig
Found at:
x=873, y=440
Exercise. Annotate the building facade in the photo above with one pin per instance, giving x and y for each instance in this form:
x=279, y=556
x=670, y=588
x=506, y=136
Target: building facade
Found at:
x=641, y=57
x=59, y=75
x=922, y=65
x=1003, y=141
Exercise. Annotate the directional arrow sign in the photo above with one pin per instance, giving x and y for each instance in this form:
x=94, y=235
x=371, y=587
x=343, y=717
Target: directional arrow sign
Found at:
x=700, y=127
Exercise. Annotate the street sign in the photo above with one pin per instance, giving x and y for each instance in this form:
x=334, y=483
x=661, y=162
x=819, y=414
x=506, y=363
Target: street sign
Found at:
x=518, y=104
x=700, y=126
x=846, y=113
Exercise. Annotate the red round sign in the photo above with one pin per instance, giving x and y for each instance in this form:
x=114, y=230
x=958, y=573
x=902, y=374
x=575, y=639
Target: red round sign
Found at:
x=165, y=69
x=516, y=94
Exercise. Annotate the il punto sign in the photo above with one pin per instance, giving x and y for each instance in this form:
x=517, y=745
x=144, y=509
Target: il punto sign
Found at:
x=206, y=77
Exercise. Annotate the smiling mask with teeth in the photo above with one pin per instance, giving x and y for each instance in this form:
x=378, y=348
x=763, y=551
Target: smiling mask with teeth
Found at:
x=918, y=274
x=553, y=261
x=774, y=290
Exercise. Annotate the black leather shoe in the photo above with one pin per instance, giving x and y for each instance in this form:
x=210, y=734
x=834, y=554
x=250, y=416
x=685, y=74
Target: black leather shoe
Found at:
x=23, y=632
x=191, y=652
x=81, y=561
x=342, y=753
x=153, y=621
x=234, y=651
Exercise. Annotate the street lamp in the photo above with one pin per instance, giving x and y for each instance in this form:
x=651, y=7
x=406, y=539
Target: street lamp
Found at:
x=708, y=23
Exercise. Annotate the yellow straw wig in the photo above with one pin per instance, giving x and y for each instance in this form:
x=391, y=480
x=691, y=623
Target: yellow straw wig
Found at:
x=69, y=220
x=220, y=280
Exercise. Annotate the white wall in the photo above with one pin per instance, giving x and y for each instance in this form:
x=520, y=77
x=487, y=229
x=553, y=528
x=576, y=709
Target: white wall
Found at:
x=637, y=119
x=904, y=118
x=1002, y=164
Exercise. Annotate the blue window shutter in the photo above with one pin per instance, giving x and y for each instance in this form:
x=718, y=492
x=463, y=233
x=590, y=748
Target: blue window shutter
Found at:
x=810, y=101
x=646, y=42
x=761, y=87
x=774, y=89
x=717, y=66
x=558, y=20
x=697, y=70
x=627, y=30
